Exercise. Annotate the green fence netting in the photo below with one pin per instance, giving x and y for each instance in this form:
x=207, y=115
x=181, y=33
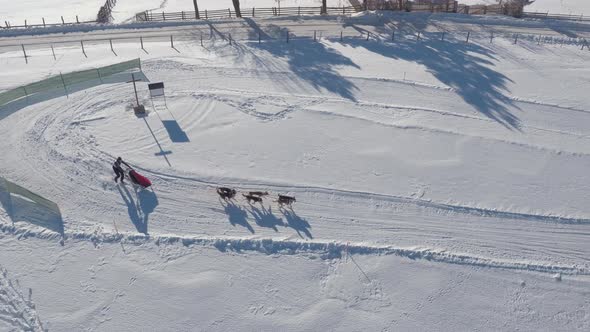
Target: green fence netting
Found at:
x=64, y=80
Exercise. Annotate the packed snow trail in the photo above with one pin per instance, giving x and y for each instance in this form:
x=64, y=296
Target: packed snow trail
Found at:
x=440, y=185
x=452, y=162
x=183, y=201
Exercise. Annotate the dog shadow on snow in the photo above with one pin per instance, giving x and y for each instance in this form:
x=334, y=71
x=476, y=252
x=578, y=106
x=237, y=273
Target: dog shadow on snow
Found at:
x=140, y=206
x=236, y=215
x=265, y=217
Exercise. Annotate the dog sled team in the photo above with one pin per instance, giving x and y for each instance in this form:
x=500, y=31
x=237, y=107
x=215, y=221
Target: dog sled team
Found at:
x=254, y=196
x=224, y=193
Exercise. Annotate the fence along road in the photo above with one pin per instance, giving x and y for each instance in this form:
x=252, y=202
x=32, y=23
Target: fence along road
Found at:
x=248, y=29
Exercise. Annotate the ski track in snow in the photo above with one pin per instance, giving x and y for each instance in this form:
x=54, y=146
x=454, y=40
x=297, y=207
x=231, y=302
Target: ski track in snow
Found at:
x=59, y=143
x=312, y=248
x=82, y=161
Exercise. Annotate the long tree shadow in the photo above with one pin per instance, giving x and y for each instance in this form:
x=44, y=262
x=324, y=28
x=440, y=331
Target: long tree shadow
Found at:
x=465, y=67
x=313, y=62
x=237, y=215
x=299, y=224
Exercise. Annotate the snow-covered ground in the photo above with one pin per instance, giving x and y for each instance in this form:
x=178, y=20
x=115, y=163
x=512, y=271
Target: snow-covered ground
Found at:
x=440, y=185
x=574, y=7
x=16, y=12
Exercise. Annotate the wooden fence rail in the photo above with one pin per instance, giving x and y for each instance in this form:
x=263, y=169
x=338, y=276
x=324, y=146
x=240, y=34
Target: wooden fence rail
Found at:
x=246, y=12
x=562, y=17
x=26, y=25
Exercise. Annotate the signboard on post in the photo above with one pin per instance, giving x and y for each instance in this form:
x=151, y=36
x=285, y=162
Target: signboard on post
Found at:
x=156, y=89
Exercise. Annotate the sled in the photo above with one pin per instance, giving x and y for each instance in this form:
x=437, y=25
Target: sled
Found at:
x=139, y=179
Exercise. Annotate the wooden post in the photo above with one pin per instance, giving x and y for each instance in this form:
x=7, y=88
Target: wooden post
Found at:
x=43, y=18
x=135, y=89
x=229, y=34
x=53, y=52
x=182, y=13
x=62, y=20
x=253, y=12
x=171, y=42
x=341, y=36
x=442, y=38
x=201, y=38
x=368, y=35
x=64, y=83
x=25, y=24
x=299, y=11
x=197, y=16
x=77, y=20
x=515, y=39
x=141, y=42
x=82, y=44
x=468, y=33
x=163, y=16
x=25, y=53
x=112, y=50
x=314, y=35
x=229, y=10
x=206, y=17
x=492, y=37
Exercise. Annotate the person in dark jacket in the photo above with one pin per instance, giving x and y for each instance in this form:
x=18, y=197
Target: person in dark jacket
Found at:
x=119, y=170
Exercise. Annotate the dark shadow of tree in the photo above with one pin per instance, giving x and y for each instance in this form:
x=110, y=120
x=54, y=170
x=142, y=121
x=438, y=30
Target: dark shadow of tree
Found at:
x=313, y=62
x=465, y=67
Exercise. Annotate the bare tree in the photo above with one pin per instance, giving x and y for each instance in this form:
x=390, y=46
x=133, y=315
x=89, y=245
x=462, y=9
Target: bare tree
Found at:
x=237, y=8
x=197, y=16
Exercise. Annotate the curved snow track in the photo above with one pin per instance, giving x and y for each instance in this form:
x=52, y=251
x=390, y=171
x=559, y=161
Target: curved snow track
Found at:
x=63, y=149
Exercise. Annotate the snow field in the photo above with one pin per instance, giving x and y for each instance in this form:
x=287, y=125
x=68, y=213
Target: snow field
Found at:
x=439, y=185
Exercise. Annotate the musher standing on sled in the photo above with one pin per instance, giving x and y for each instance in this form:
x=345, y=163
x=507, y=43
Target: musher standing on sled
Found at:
x=119, y=170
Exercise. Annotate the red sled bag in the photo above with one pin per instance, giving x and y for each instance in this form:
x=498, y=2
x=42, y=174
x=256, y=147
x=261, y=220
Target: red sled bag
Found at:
x=139, y=179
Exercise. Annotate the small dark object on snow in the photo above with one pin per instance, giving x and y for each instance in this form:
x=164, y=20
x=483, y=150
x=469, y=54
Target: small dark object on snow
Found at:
x=258, y=193
x=226, y=193
x=288, y=200
x=253, y=198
